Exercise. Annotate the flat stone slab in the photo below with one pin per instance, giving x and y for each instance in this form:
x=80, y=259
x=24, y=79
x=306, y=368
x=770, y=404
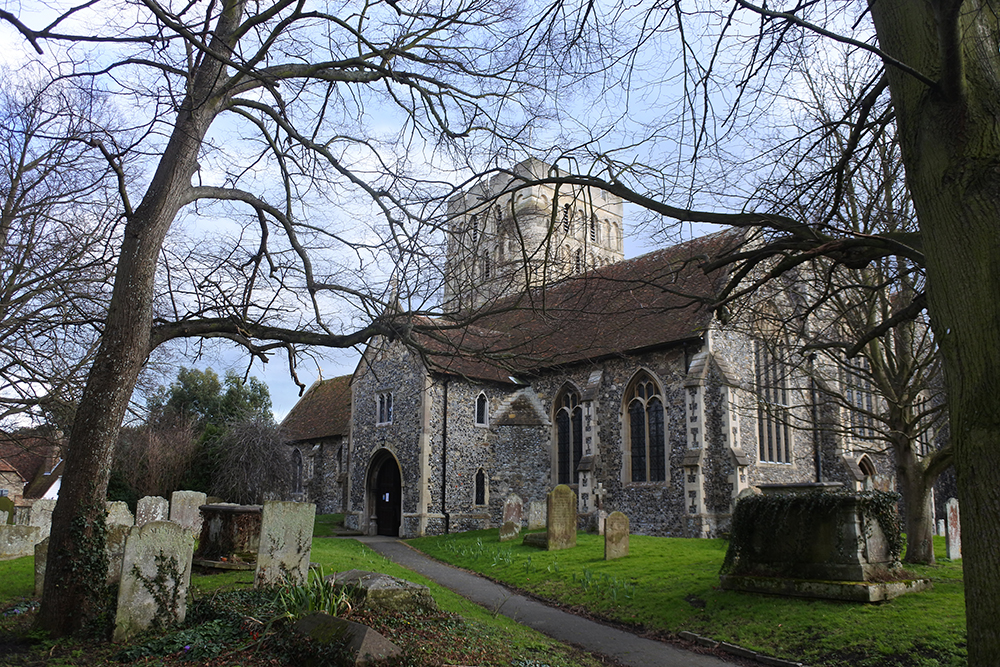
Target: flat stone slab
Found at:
x=851, y=591
x=365, y=644
x=383, y=592
x=540, y=540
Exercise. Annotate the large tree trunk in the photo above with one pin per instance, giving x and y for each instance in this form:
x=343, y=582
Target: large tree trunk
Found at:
x=951, y=151
x=77, y=566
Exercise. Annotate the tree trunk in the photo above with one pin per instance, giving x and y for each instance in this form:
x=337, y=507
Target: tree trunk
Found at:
x=951, y=151
x=77, y=565
x=916, y=490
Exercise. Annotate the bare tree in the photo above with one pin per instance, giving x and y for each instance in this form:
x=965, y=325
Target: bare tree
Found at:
x=320, y=106
x=57, y=218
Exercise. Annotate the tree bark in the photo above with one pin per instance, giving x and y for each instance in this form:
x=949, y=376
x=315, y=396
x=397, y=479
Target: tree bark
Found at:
x=916, y=489
x=951, y=152
x=77, y=566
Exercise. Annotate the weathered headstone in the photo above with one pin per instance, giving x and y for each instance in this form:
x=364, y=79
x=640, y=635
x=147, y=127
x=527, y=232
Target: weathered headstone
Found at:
x=561, y=527
x=155, y=578
x=184, y=509
x=151, y=508
x=286, y=532
x=384, y=593
x=40, y=515
x=616, y=536
x=536, y=515
x=114, y=547
x=118, y=514
x=940, y=528
x=6, y=511
x=41, y=560
x=513, y=507
x=954, y=529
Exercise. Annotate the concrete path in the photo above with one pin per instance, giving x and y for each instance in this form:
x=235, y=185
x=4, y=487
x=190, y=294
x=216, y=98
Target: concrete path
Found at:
x=624, y=647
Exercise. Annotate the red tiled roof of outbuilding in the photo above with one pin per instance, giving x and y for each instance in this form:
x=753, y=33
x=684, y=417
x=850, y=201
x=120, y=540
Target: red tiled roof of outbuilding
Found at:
x=324, y=411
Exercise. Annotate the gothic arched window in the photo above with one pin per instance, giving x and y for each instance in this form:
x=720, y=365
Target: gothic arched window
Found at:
x=773, y=432
x=569, y=436
x=482, y=410
x=646, y=432
x=296, y=471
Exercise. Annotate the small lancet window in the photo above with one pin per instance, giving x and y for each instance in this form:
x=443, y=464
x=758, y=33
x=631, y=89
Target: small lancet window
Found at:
x=481, y=487
x=482, y=410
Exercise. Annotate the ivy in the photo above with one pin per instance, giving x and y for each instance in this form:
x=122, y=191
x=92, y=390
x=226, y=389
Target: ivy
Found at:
x=770, y=514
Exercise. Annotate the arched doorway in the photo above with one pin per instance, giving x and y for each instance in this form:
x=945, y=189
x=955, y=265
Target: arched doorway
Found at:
x=385, y=491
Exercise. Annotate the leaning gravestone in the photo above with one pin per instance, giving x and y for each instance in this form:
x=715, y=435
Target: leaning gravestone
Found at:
x=286, y=531
x=953, y=529
x=41, y=559
x=151, y=508
x=184, y=509
x=616, y=536
x=362, y=645
x=512, y=510
x=561, y=527
x=536, y=515
x=155, y=578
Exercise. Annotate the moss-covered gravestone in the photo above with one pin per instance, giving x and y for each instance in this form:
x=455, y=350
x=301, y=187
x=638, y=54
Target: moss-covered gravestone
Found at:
x=561, y=527
x=286, y=532
x=156, y=572
x=510, y=527
x=615, y=536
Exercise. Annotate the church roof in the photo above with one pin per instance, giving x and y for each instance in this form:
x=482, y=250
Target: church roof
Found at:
x=651, y=301
x=324, y=411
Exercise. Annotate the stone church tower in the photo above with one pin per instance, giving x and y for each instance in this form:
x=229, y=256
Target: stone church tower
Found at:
x=505, y=236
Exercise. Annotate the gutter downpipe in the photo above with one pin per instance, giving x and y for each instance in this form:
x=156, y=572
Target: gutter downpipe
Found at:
x=444, y=461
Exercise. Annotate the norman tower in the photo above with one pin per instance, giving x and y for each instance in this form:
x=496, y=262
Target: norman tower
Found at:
x=505, y=236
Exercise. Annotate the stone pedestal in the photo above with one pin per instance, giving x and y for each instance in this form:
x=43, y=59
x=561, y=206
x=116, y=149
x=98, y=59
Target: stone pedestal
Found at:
x=230, y=536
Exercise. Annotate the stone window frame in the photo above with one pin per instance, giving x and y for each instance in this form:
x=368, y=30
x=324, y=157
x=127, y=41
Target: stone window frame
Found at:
x=774, y=431
x=567, y=436
x=481, y=410
x=862, y=403
x=383, y=408
x=652, y=392
x=298, y=471
x=481, y=487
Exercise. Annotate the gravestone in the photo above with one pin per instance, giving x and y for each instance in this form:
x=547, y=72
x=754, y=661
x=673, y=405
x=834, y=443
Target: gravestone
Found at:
x=363, y=645
x=940, y=528
x=155, y=578
x=184, y=509
x=953, y=529
x=40, y=515
x=230, y=536
x=512, y=510
x=616, y=536
x=151, y=508
x=561, y=527
x=114, y=547
x=286, y=531
x=118, y=514
x=6, y=511
x=384, y=593
x=536, y=515
x=41, y=560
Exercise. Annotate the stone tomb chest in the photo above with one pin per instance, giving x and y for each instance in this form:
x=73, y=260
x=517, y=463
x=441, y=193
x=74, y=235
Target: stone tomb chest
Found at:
x=230, y=536
x=811, y=542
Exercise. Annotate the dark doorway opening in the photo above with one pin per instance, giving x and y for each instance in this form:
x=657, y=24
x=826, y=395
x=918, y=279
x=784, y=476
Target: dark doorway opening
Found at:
x=388, y=492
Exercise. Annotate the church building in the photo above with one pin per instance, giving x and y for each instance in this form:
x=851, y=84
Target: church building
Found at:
x=578, y=367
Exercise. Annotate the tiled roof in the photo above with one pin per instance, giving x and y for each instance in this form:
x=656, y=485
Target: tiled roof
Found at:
x=28, y=455
x=651, y=301
x=324, y=410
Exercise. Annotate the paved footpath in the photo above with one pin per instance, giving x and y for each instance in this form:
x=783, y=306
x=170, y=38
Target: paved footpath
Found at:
x=624, y=647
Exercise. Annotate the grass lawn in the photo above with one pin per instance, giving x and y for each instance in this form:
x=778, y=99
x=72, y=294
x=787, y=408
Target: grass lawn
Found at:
x=670, y=584
x=221, y=630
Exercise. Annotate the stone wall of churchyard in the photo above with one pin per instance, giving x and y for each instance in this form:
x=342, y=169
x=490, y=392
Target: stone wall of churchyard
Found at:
x=391, y=368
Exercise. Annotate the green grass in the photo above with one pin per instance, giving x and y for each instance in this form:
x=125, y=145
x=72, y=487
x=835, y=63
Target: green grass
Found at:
x=670, y=585
x=17, y=579
x=326, y=523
